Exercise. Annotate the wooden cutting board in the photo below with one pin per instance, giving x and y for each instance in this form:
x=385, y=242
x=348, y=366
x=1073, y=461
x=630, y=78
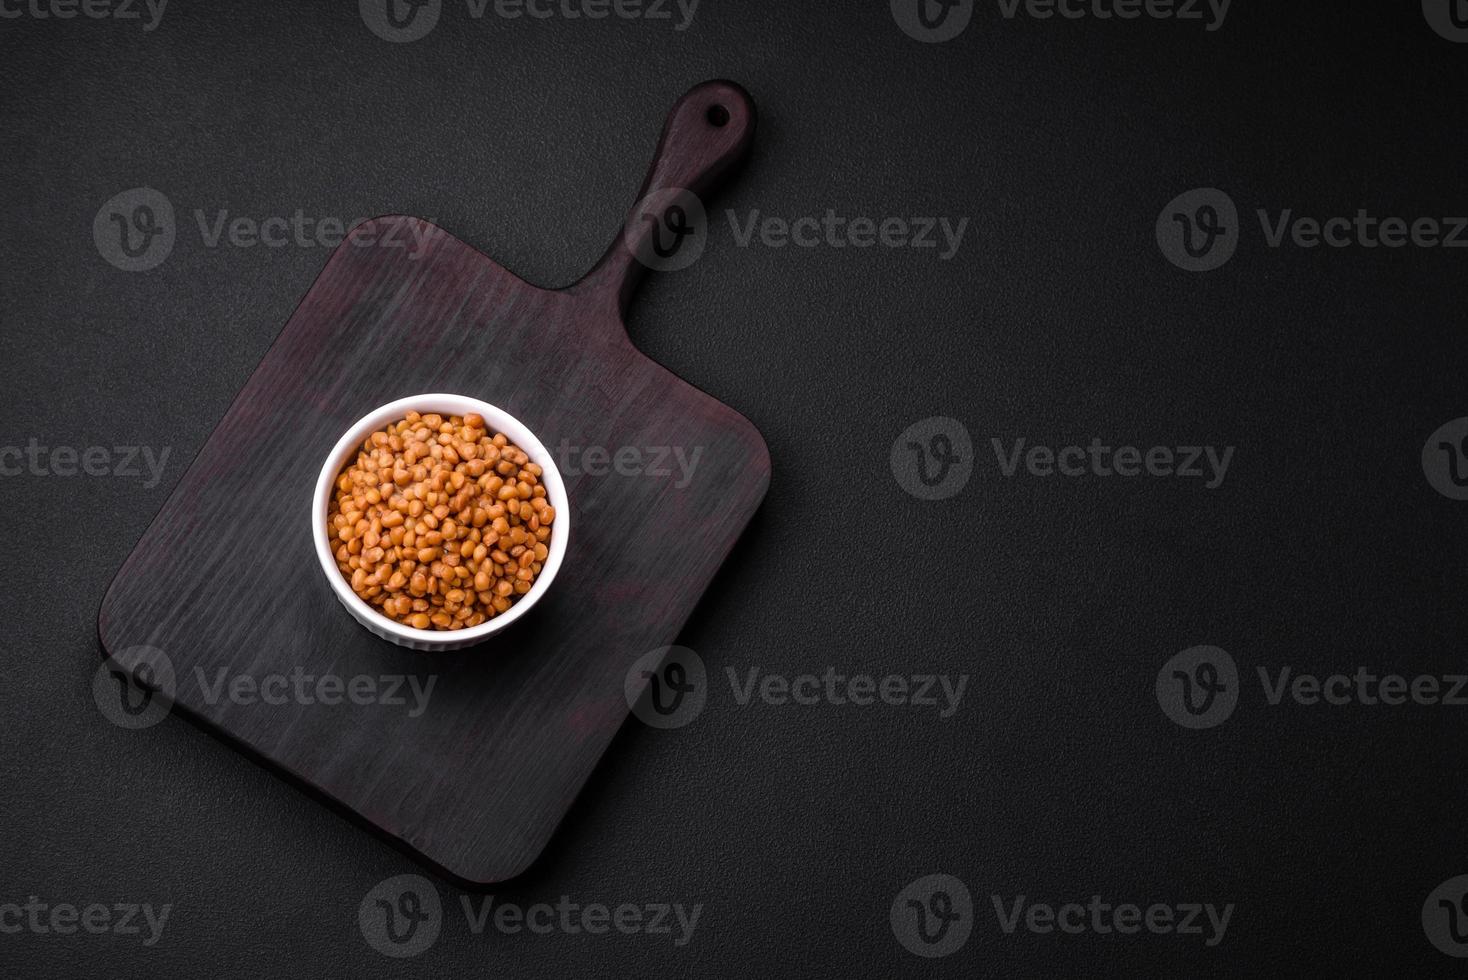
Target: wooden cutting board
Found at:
x=225, y=583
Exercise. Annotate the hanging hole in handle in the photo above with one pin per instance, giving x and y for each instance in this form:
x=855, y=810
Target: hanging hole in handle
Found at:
x=718, y=116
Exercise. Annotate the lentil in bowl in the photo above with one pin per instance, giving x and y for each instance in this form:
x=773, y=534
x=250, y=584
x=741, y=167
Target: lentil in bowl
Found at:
x=439, y=520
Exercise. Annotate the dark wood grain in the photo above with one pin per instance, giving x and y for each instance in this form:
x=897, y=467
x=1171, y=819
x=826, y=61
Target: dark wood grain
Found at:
x=225, y=576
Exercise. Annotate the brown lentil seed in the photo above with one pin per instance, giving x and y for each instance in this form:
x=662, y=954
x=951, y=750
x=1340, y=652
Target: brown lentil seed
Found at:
x=439, y=523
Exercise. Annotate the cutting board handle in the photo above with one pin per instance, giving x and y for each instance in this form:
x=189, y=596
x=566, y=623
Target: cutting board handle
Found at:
x=707, y=135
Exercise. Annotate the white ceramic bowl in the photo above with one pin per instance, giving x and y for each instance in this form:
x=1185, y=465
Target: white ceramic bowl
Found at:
x=496, y=420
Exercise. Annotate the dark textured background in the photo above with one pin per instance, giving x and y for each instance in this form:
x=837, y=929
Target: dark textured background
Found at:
x=1059, y=320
